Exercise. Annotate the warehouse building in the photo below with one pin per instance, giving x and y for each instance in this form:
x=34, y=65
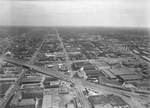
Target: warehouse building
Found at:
x=78, y=65
x=108, y=74
x=131, y=77
x=111, y=101
x=32, y=93
x=31, y=86
x=93, y=73
x=31, y=79
x=51, y=82
x=122, y=71
x=18, y=102
x=51, y=98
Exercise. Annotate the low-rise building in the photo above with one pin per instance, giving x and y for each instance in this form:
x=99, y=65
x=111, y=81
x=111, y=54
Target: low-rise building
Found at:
x=51, y=98
x=102, y=100
x=131, y=77
x=31, y=79
x=32, y=93
x=18, y=102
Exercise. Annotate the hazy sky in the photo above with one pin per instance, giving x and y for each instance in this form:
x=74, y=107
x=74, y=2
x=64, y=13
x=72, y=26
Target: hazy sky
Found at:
x=132, y=13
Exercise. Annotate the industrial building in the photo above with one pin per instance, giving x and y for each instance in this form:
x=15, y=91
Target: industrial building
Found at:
x=105, y=80
x=109, y=100
x=18, y=102
x=130, y=77
x=86, y=64
x=31, y=86
x=63, y=90
x=31, y=79
x=51, y=82
x=122, y=71
x=108, y=74
x=51, y=98
x=93, y=73
x=32, y=93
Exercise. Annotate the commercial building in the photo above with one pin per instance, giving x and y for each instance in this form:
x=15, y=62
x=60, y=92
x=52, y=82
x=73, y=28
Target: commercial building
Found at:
x=78, y=65
x=32, y=93
x=108, y=74
x=109, y=100
x=4, y=88
x=31, y=79
x=51, y=82
x=51, y=98
x=131, y=77
x=18, y=102
x=107, y=81
x=93, y=73
x=31, y=86
x=47, y=101
x=70, y=105
x=122, y=71
x=63, y=90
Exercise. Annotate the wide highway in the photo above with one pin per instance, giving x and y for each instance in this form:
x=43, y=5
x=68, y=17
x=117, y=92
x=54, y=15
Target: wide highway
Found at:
x=70, y=79
x=61, y=76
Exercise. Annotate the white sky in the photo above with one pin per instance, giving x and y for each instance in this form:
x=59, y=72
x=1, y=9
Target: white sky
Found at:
x=131, y=13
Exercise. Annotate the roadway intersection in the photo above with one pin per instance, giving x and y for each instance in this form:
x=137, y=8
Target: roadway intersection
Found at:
x=71, y=79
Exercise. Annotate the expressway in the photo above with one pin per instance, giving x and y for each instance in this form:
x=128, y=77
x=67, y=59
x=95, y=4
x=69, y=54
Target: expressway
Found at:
x=67, y=78
x=72, y=80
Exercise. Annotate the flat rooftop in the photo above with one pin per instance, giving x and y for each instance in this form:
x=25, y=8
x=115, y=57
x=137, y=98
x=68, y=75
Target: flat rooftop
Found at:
x=94, y=72
x=31, y=79
x=108, y=73
x=3, y=88
x=111, y=99
x=131, y=77
x=121, y=71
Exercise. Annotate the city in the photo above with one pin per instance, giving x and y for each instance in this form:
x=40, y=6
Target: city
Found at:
x=47, y=67
x=74, y=54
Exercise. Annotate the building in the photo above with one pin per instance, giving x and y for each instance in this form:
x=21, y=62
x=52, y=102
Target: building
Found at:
x=32, y=93
x=144, y=85
x=31, y=86
x=47, y=101
x=18, y=102
x=102, y=100
x=31, y=79
x=93, y=73
x=78, y=65
x=121, y=71
x=63, y=67
x=63, y=90
x=108, y=74
x=51, y=98
x=105, y=80
x=51, y=82
x=130, y=77
x=70, y=105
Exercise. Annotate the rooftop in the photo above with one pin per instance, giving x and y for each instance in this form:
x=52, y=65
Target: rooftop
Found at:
x=18, y=101
x=94, y=72
x=121, y=71
x=131, y=77
x=108, y=73
x=32, y=91
x=47, y=101
x=111, y=99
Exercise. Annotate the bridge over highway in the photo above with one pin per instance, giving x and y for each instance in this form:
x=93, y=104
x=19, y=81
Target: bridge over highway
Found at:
x=72, y=80
x=62, y=76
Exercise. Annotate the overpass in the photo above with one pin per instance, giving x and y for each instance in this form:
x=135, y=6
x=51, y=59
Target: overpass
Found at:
x=39, y=69
x=70, y=79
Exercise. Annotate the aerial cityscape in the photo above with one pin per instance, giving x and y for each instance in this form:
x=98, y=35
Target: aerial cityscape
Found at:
x=74, y=67
x=74, y=54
